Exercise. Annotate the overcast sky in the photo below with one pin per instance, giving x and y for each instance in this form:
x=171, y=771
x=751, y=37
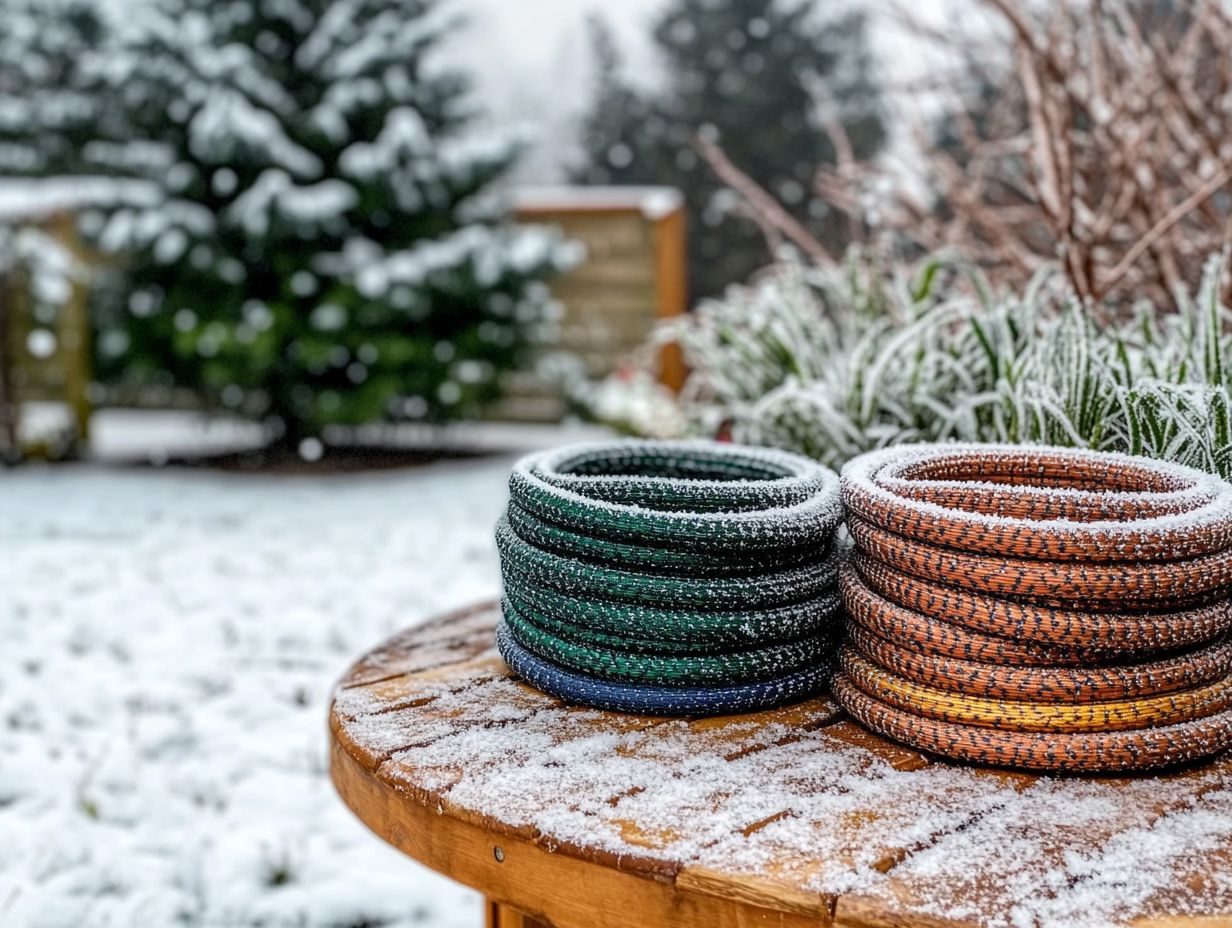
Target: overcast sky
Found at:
x=531, y=59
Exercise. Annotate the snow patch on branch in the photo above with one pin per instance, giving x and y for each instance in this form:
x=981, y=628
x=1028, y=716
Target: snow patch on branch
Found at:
x=227, y=117
x=275, y=194
x=172, y=223
x=492, y=253
x=346, y=46
x=403, y=137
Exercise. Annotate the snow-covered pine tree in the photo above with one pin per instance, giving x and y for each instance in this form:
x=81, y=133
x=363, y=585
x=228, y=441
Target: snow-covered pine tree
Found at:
x=753, y=76
x=313, y=240
x=47, y=113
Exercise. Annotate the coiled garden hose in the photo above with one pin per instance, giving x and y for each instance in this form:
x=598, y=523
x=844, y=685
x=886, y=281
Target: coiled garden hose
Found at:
x=1045, y=608
x=683, y=577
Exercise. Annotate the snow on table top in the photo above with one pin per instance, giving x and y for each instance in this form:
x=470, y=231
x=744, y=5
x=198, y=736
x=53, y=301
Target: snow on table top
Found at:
x=798, y=795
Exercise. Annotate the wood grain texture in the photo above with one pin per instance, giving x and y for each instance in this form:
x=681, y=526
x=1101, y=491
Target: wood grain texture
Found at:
x=501, y=916
x=671, y=291
x=791, y=817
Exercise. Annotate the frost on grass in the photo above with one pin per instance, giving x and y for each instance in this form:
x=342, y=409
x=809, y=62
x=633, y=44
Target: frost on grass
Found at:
x=833, y=363
x=170, y=642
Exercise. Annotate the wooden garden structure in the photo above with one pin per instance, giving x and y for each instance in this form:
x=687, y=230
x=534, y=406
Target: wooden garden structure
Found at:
x=44, y=353
x=633, y=273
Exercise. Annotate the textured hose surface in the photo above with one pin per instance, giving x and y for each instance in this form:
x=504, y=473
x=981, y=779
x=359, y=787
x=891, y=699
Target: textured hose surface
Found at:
x=1066, y=752
x=1041, y=503
x=1109, y=715
x=649, y=699
x=615, y=662
x=691, y=577
x=1042, y=608
x=1115, y=632
x=664, y=628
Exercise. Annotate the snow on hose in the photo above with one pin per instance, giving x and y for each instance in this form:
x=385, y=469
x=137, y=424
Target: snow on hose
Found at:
x=671, y=577
x=1045, y=608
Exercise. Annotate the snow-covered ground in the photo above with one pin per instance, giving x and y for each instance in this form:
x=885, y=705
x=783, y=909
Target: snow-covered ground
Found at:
x=168, y=640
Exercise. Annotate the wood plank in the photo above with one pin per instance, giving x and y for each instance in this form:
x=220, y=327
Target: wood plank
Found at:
x=1199, y=893
x=634, y=274
x=455, y=636
x=501, y=916
x=852, y=911
x=671, y=291
x=593, y=301
x=759, y=891
x=414, y=687
x=874, y=816
x=897, y=756
x=437, y=708
x=559, y=890
x=604, y=234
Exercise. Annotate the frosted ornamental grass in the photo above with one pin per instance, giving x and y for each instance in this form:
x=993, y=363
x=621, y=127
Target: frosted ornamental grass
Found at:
x=833, y=363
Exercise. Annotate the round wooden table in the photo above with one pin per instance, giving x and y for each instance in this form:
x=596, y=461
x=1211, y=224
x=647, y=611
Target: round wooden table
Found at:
x=576, y=818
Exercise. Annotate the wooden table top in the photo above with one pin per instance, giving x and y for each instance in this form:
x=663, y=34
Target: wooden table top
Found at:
x=790, y=817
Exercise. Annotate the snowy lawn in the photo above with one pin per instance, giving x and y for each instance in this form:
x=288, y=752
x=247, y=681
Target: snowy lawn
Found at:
x=169, y=643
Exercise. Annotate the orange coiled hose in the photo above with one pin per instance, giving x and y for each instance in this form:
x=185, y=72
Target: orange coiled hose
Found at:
x=1044, y=608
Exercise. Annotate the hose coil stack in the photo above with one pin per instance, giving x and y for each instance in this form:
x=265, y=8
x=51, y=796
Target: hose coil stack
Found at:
x=681, y=578
x=1041, y=608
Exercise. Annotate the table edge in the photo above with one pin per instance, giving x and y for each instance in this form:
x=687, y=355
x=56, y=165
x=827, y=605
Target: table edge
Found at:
x=533, y=879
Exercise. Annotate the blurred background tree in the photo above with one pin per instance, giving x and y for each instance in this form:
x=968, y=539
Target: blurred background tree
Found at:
x=306, y=229
x=777, y=87
x=48, y=89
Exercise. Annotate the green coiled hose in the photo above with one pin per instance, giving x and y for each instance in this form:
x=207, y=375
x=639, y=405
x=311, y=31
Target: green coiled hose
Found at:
x=672, y=564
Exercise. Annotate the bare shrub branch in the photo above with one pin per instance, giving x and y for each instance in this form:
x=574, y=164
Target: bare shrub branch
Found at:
x=1093, y=135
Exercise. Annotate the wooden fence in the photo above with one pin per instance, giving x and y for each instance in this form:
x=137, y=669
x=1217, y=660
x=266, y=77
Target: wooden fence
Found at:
x=44, y=358
x=632, y=275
